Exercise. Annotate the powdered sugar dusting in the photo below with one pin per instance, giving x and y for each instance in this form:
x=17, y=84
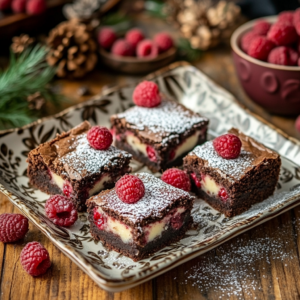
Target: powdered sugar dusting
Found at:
x=85, y=160
x=169, y=117
x=231, y=167
x=241, y=266
x=158, y=196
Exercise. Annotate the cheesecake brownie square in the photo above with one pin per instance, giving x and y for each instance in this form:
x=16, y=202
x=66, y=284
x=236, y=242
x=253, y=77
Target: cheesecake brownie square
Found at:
x=159, y=218
x=69, y=165
x=232, y=186
x=161, y=136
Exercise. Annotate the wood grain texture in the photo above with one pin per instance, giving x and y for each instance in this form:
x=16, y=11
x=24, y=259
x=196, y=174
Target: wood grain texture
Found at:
x=278, y=279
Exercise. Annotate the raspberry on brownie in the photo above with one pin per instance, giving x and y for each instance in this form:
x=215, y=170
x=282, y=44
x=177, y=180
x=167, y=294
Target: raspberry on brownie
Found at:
x=233, y=185
x=69, y=165
x=158, y=136
x=140, y=228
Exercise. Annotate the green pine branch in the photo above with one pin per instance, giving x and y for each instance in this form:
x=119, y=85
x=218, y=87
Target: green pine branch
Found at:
x=27, y=74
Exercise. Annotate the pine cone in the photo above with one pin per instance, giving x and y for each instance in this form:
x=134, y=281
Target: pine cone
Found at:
x=205, y=23
x=72, y=49
x=20, y=43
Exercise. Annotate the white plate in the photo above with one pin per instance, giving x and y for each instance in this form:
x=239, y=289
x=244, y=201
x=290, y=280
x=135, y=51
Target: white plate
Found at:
x=110, y=270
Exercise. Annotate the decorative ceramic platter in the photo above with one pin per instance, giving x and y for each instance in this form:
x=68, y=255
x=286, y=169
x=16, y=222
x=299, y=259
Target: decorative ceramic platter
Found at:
x=110, y=270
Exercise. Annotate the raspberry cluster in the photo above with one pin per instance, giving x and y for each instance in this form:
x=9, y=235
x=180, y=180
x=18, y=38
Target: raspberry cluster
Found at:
x=276, y=43
x=34, y=257
x=31, y=7
x=134, y=43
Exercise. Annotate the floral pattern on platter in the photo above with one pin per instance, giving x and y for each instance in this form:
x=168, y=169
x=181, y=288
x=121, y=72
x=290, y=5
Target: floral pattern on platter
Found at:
x=109, y=269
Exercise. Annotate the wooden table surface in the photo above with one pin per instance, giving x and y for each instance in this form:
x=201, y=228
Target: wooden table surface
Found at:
x=277, y=279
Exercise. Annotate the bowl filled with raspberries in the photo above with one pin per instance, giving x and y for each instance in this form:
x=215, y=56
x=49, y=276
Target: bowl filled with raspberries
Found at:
x=266, y=54
x=134, y=53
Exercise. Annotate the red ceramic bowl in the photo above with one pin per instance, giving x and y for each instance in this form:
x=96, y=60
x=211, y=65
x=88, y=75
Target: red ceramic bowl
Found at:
x=275, y=87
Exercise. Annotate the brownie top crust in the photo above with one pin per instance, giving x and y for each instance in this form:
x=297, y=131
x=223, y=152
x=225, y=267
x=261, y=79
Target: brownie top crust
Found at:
x=72, y=154
x=162, y=123
x=159, y=198
x=252, y=154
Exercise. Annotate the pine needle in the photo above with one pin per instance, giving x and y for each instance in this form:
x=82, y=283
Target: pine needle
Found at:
x=27, y=74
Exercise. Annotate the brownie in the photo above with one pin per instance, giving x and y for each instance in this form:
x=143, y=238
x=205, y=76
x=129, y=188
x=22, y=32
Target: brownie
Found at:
x=232, y=186
x=159, y=218
x=161, y=136
x=69, y=165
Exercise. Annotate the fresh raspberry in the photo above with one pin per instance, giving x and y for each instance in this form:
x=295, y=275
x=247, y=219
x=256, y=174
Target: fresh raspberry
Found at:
x=13, y=227
x=223, y=194
x=260, y=48
x=35, y=259
x=61, y=210
x=18, y=6
x=228, y=146
x=134, y=36
x=163, y=41
x=130, y=189
x=146, y=48
x=99, y=219
x=177, y=178
x=146, y=94
x=196, y=180
x=122, y=48
x=5, y=4
x=100, y=138
x=151, y=153
x=247, y=39
x=283, y=55
x=299, y=61
x=35, y=7
x=282, y=34
x=67, y=189
x=261, y=27
x=286, y=16
x=106, y=37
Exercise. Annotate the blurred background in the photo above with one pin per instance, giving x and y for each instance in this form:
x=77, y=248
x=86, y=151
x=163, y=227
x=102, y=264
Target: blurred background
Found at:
x=52, y=54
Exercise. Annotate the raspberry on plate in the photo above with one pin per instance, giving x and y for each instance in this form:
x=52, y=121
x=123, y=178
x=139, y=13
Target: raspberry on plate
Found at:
x=36, y=7
x=247, y=39
x=13, y=227
x=106, y=37
x=228, y=146
x=61, y=210
x=177, y=178
x=260, y=48
x=164, y=41
x=100, y=138
x=35, y=259
x=146, y=48
x=130, y=189
x=283, y=55
x=282, y=34
x=146, y=94
x=261, y=27
x=122, y=48
x=286, y=16
x=134, y=36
